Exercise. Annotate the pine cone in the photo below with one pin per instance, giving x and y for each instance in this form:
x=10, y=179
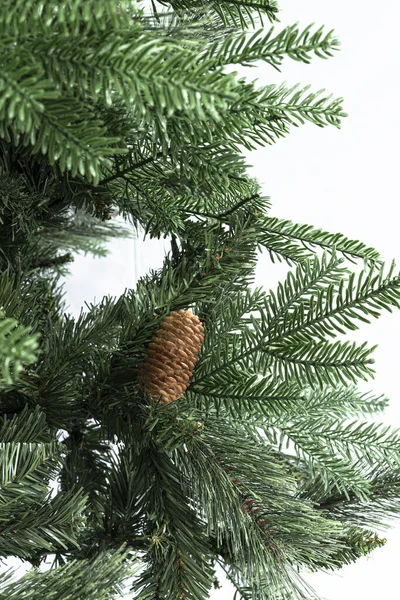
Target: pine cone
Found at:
x=168, y=366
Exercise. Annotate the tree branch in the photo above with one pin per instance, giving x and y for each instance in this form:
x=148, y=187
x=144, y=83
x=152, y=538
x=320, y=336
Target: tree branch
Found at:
x=221, y=216
x=130, y=168
x=57, y=261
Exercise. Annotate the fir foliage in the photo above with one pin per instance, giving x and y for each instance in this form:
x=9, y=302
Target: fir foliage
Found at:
x=17, y=347
x=96, y=579
x=269, y=464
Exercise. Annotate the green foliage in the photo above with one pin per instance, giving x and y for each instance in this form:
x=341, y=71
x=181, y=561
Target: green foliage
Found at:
x=177, y=542
x=269, y=463
x=287, y=336
x=31, y=521
x=238, y=13
x=96, y=579
x=290, y=42
x=167, y=465
x=59, y=93
x=17, y=348
x=40, y=226
x=280, y=236
x=28, y=426
x=381, y=507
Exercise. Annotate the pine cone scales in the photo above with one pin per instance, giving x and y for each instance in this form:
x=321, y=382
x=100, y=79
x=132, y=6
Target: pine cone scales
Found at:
x=172, y=354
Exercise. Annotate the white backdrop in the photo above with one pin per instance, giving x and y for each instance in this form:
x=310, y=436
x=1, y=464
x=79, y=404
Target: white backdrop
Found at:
x=343, y=181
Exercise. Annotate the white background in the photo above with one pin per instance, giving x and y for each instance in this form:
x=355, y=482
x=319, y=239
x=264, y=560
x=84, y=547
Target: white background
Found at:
x=341, y=180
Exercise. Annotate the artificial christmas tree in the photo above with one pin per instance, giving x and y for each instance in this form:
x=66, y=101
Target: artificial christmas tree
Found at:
x=257, y=457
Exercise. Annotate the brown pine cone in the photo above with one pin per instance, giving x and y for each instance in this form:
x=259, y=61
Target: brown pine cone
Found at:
x=172, y=354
